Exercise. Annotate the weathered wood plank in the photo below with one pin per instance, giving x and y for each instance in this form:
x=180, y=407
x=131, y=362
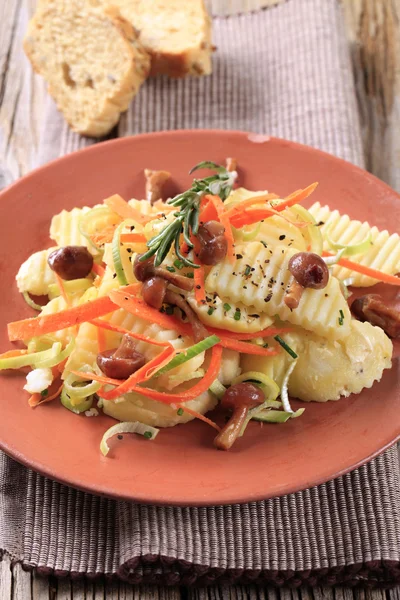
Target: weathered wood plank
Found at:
x=22, y=583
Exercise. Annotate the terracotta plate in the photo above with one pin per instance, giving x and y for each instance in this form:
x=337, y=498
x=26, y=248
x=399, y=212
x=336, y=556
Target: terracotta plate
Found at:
x=181, y=465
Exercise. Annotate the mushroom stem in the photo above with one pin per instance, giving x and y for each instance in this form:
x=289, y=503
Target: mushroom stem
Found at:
x=178, y=280
x=227, y=436
x=199, y=331
x=293, y=295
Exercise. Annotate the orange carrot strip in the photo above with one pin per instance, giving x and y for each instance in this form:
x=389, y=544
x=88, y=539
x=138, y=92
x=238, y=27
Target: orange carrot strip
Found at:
x=103, y=237
x=238, y=208
x=11, y=353
x=248, y=348
x=296, y=197
x=98, y=270
x=99, y=378
x=379, y=275
x=208, y=211
x=198, y=415
x=122, y=208
x=63, y=293
x=137, y=306
x=142, y=374
x=191, y=393
x=37, y=399
x=36, y=326
x=133, y=237
x=137, y=336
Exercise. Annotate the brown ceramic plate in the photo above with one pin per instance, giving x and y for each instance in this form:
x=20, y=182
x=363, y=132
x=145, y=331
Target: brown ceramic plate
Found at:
x=181, y=466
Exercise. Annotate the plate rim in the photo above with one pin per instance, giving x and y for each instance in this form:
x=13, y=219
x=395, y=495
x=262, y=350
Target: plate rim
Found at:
x=103, y=489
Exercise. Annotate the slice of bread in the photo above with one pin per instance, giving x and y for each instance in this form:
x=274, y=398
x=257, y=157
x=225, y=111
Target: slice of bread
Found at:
x=91, y=59
x=176, y=33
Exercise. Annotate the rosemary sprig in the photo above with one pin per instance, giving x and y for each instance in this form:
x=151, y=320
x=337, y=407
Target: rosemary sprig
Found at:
x=186, y=220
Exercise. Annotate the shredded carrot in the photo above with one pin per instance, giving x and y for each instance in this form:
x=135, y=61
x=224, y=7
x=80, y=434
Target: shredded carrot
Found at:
x=191, y=393
x=248, y=348
x=122, y=208
x=36, y=326
x=101, y=339
x=98, y=270
x=198, y=415
x=60, y=367
x=137, y=306
x=99, y=378
x=63, y=293
x=208, y=211
x=141, y=375
x=374, y=273
x=53, y=392
x=11, y=353
x=238, y=208
x=137, y=336
x=296, y=197
x=133, y=237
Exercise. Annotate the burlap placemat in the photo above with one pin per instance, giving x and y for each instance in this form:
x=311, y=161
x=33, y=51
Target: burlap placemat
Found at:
x=284, y=71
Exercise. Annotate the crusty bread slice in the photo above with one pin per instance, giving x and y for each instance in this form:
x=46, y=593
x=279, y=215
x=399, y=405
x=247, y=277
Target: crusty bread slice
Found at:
x=176, y=33
x=91, y=59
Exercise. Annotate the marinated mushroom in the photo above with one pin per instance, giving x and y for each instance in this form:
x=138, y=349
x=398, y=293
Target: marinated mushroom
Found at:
x=154, y=290
x=143, y=270
x=155, y=181
x=240, y=398
x=293, y=295
x=199, y=331
x=309, y=270
x=231, y=164
x=373, y=309
x=213, y=243
x=71, y=262
x=121, y=362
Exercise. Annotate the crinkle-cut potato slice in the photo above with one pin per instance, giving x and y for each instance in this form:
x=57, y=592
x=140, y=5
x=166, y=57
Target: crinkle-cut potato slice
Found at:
x=91, y=59
x=230, y=366
x=134, y=407
x=55, y=306
x=34, y=275
x=250, y=321
x=144, y=207
x=85, y=350
x=327, y=370
x=264, y=287
x=383, y=255
x=64, y=228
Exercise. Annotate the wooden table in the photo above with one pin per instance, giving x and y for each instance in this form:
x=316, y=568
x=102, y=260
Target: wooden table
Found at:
x=374, y=36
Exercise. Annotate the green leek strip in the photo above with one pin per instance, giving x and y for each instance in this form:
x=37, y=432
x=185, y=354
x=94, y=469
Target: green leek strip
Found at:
x=189, y=353
x=217, y=389
x=52, y=362
x=284, y=389
x=82, y=406
x=116, y=253
x=277, y=416
x=249, y=236
x=78, y=388
x=71, y=287
x=31, y=360
x=350, y=249
x=31, y=302
x=37, y=344
x=268, y=385
x=313, y=233
x=146, y=431
x=330, y=261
